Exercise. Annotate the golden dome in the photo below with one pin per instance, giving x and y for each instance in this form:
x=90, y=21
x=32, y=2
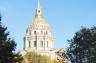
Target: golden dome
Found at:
x=38, y=22
x=38, y=35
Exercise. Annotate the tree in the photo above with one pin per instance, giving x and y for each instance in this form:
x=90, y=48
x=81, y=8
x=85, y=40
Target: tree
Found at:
x=7, y=47
x=82, y=47
x=33, y=57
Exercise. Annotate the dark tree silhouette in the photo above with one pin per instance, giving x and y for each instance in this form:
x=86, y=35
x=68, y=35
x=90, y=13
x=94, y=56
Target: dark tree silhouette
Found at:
x=83, y=46
x=7, y=47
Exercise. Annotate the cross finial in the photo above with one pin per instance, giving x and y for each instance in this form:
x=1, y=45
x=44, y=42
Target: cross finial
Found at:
x=38, y=3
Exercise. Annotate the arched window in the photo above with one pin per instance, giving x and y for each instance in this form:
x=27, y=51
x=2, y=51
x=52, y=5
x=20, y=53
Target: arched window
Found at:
x=29, y=32
x=41, y=44
x=46, y=33
x=34, y=32
x=41, y=32
x=47, y=43
x=35, y=43
x=29, y=44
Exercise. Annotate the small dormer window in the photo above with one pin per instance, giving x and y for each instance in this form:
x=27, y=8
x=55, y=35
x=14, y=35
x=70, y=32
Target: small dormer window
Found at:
x=41, y=32
x=38, y=11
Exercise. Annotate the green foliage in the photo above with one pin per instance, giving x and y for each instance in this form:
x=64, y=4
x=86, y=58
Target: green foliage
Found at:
x=55, y=61
x=7, y=46
x=62, y=55
x=33, y=57
x=17, y=58
x=83, y=46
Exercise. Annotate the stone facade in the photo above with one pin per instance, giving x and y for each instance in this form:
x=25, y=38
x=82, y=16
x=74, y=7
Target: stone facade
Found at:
x=39, y=37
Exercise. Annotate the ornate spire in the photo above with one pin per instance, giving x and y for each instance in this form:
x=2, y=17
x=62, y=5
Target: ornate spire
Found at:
x=38, y=10
x=38, y=3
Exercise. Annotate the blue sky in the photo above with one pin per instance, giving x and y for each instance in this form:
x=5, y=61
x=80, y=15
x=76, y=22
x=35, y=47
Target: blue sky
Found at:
x=64, y=16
